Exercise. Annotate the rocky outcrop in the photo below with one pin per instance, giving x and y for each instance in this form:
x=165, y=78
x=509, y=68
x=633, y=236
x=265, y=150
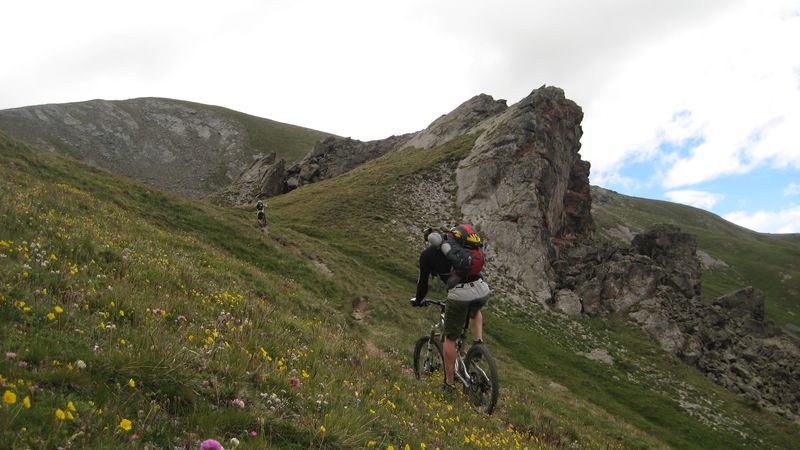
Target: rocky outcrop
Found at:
x=465, y=119
x=335, y=156
x=520, y=182
x=656, y=282
x=264, y=178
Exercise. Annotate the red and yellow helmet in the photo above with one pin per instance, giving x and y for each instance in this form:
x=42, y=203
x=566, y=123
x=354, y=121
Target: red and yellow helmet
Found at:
x=466, y=234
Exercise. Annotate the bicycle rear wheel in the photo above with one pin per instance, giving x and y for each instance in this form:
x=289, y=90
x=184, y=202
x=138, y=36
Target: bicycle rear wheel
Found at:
x=428, y=359
x=484, y=388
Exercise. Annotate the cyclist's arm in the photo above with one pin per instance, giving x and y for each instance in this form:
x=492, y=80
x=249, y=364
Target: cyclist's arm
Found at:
x=424, y=275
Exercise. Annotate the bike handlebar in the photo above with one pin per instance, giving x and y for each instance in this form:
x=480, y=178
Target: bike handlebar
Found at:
x=426, y=302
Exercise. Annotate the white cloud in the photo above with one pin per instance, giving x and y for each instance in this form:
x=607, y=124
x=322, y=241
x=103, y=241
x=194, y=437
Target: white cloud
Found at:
x=731, y=84
x=783, y=221
x=792, y=189
x=698, y=199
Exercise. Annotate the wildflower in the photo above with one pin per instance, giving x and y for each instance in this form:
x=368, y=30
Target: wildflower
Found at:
x=122, y=342
x=26, y=402
x=126, y=424
x=122, y=313
x=253, y=433
x=239, y=403
x=60, y=414
x=322, y=429
x=182, y=318
x=58, y=309
x=9, y=397
x=371, y=444
x=234, y=442
x=131, y=383
x=11, y=355
x=51, y=316
x=71, y=406
x=294, y=381
x=80, y=364
x=305, y=374
x=44, y=291
x=211, y=444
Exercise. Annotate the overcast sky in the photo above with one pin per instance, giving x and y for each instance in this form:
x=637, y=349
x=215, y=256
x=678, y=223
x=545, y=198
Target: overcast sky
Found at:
x=696, y=102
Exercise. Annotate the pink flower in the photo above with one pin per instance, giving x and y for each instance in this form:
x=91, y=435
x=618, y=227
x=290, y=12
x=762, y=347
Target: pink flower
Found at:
x=211, y=444
x=294, y=381
x=239, y=403
x=253, y=433
x=11, y=355
x=181, y=318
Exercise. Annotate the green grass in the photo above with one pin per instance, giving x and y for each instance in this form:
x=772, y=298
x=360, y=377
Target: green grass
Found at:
x=104, y=280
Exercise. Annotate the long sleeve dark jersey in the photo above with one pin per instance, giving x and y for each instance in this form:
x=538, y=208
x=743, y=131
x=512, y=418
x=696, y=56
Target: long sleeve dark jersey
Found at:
x=431, y=262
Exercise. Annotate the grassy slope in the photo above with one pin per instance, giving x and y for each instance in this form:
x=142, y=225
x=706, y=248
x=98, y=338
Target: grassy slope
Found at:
x=291, y=142
x=200, y=310
x=769, y=262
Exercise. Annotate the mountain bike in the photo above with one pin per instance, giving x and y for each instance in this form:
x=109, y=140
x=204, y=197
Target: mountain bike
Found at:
x=475, y=369
x=262, y=219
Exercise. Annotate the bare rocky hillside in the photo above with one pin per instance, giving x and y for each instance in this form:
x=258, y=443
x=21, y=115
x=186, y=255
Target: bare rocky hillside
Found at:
x=186, y=148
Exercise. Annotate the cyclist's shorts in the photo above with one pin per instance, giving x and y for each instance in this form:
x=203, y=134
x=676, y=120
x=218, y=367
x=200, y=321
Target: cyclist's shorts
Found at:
x=464, y=300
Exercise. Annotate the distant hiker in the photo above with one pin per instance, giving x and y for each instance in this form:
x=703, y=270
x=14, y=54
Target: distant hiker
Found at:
x=261, y=213
x=456, y=258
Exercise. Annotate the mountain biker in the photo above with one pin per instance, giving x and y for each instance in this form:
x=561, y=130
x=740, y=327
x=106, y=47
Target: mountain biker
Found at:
x=465, y=297
x=261, y=213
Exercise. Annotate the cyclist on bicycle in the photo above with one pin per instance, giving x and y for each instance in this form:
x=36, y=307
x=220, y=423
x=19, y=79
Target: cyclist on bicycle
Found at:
x=261, y=213
x=466, y=294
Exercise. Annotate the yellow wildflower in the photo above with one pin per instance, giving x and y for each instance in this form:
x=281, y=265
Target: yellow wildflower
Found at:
x=322, y=429
x=26, y=402
x=58, y=309
x=126, y=424
x=71, y=406
x=131, y=383
x=44, y=291
x=371, y=444
x=9, y=397
x=60, y=415
x=51, y=316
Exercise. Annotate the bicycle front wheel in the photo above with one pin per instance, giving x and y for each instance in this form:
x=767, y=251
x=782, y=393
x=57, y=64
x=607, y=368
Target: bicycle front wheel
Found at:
x=484, y=385
x=428, y=359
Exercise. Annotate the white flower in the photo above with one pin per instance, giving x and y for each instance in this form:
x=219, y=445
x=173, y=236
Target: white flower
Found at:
x=80, y=364
x=234, y=442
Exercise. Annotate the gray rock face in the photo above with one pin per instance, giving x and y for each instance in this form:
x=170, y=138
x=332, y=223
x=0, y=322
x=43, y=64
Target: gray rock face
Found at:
x=676, y=252
x=465, y=119
x=514, y=185
x=168, y=144
x=264, y=178
x=190, y=149
x=334, y=156
x=657, y=282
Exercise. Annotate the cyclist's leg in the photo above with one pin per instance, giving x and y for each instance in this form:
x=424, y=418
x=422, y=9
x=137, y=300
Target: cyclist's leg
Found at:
x=449, y=360
x=476, y=325
x=455, y=316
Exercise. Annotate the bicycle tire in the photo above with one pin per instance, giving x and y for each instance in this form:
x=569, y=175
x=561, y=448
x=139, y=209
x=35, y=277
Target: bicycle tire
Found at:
x=428, y=359
x=484, y=389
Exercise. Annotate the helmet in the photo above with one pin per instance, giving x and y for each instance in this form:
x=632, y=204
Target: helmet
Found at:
x=466, y=234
